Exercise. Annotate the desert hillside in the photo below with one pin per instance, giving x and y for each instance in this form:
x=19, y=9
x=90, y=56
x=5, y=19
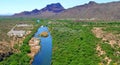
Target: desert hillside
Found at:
x=91, y=10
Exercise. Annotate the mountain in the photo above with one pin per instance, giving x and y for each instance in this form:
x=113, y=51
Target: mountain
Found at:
x=92, y=10
x=48, y=11
x=89, y=11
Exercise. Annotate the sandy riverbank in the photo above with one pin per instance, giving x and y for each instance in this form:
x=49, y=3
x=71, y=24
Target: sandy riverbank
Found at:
x=34, y=47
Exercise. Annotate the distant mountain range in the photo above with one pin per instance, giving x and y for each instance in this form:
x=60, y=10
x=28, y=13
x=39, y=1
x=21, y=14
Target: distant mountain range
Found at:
x=49, y=10
x=91, y=10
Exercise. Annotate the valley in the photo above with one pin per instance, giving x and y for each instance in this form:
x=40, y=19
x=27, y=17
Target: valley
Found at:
x=81, y=42
x=57, y=34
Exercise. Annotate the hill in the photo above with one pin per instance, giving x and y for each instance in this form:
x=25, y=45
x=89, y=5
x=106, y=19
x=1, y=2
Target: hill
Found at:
x=45, y=12
x=93, y=10
x=88, y=11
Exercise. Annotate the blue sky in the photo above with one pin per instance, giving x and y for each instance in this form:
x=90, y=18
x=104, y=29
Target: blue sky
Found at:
x=15, y=6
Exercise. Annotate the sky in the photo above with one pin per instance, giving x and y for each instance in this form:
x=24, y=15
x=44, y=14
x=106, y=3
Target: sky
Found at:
x=8, y=7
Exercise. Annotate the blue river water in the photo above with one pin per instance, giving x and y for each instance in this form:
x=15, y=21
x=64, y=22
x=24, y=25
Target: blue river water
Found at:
x=43, y=57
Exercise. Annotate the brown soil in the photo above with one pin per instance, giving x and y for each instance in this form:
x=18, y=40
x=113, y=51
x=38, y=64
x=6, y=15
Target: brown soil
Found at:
x=106, y=38
x=108, y=60
x=99, y=50
x=5, y=50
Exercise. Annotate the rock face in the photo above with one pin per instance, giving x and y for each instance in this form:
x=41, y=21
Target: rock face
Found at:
x=5, y=50
x=47, y=11
x=44, y=34
x=56, y=8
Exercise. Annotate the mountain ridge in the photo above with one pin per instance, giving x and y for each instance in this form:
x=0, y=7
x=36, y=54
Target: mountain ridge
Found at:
x=91, y=10
x=51, y=9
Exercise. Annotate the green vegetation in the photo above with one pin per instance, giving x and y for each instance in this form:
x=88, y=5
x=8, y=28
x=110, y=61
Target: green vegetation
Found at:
x=21, y=58
x=73, y=42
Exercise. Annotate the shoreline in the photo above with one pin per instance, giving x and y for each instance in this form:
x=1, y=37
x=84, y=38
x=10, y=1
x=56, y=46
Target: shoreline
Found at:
x=34, y=48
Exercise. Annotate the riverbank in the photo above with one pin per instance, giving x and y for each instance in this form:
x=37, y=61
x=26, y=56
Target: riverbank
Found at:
x=34, y=45
x=43, y=57
x=34, y=48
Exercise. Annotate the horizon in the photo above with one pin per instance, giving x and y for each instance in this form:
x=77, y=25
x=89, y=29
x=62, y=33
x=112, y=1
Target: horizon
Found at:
x=22, y=5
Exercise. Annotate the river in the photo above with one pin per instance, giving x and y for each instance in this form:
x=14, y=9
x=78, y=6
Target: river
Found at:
x=43, y=57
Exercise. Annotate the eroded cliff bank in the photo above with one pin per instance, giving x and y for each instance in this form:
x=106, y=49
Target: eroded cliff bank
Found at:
x=34, y=47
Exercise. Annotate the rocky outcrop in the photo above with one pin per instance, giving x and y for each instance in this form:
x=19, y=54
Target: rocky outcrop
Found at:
x=44, y=34
x=34, y=47
x=5, y=50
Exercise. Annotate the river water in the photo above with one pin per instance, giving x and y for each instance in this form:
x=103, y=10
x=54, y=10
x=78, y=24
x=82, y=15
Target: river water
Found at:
x=43, y=57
